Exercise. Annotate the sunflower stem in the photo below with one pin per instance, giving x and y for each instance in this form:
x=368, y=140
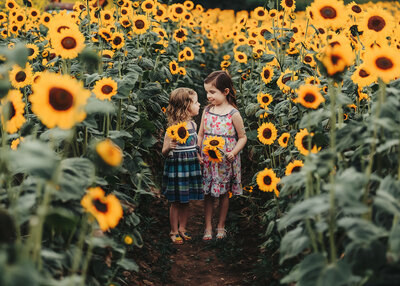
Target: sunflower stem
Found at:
x=26, y=101
x=78, y=254
x=119, y=114
x=89, y=253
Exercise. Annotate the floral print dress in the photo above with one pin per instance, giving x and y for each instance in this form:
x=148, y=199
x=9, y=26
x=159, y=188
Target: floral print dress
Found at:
x=219, y=178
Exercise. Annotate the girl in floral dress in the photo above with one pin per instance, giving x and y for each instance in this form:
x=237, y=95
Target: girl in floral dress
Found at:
x=220, y=119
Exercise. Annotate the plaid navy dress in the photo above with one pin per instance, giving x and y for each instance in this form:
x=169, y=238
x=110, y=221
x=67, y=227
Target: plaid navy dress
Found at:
x=182, y=179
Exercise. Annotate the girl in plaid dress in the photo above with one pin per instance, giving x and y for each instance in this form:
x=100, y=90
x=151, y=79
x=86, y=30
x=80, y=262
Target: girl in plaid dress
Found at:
x=221, y=119
x=182, y=180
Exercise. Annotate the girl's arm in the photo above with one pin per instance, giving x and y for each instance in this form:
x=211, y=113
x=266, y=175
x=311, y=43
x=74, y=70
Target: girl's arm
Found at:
x=200, y=135
x=242, y=138
x=168, y=145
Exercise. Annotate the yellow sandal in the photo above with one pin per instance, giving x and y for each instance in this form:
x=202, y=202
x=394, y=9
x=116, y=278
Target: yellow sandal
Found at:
x=185, y=235
x=176, y=238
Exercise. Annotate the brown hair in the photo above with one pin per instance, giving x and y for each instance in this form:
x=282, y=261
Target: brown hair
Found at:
x=179, y=103
x=222, y=80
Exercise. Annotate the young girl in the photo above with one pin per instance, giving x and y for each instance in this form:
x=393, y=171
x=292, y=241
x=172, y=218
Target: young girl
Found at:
x=182, y=179
x=221, y=118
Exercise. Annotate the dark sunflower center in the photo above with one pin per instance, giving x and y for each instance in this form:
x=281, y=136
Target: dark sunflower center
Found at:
x=212, y=154
x=285, y=79
x=106, y=56
x=174, y=67
x=328, y=12
x=20, y=18
x=267, y=133
x=179, y=10
x=312, y=81
x=307, y=59
x=46, y=19
x=285, y=139
x=295, y=30
x=384, y=63
x=296, y=169
x=15, y=28
x=180, y=34
x=356, y=9
x=149, y=5
x=125, y=22
x=267, y=180
x=139, y=24
x=267, y=74
x=124, y=12
x=20, y=76
x=68, y=43
x=31, y=51
x=100, y=206
x=321, y=31
x=9, y=108
x=265, y=99
x=273, y=14
x=107, y=16
x=117, y=40
x=335, y=59
x=305, y=140
x=160, y=12
x=10, y=5
x=261, y=13
x=81, y=7
x=214, y=142
x=289, y=3
x=106, y=89
x=34, y=13
x=363, y=73
x=182, y=132
x=309, y=97
x=241, y=57
x=60, y=99
x=376, y=23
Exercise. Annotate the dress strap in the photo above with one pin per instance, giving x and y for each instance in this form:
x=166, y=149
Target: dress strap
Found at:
x=233, y=111
x=194, y=128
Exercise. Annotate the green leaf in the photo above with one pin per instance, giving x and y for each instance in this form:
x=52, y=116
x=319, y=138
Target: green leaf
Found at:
x=251, y=109
x=293, y=243
x=394, y=243
x=128, y=264
x=56, y=136
x=95, y=105
x=91, y=78
x=361, y=230
x=137, y=238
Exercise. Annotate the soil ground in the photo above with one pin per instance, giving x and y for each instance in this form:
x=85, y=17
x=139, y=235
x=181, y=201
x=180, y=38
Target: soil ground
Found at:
x=228, y=262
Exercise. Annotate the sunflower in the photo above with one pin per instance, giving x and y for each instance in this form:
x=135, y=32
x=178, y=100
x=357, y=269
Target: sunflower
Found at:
x=240, y=57
x=109, y=152
x=68, y=43
x=267, y=133
x=105, y=88
x=376, y=23
x=225, y=64
x=284, y=139
x=260, y=14
x=173, y=67
x=148, y=6
x=12, y=111
x=182, y=71
x=361, y=77
x=177, y=10
x=33, y=51
x=288, y=5
x=301, y=141
x=108, y=54
x=20, y=77
x=214, y=155
x=264, y=99
x=181, y=134
x=106, y=17
x=189, y=5
x=294, y=167
x=337, y=58
x=59, y=100
x=171, y=132
x=329, y=13
x=267, y=180
x=160, y=14
x=117, y=40
x=180, y=35
x=189, y=55
x=12, y=5
x=309, y=59
x=309, y=96
x=312, y=80
x=354, y=9
x=106, y=209
x=16, y=142
x=140, y=24
x=267, y=74
x=383, y=63
x=287, y=75
x=215, y=142
x=125, y=22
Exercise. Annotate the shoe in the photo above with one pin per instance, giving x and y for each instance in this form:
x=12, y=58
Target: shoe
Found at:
x=207, y=235
x=185, y=235
x=221, y=233
x=176, y=238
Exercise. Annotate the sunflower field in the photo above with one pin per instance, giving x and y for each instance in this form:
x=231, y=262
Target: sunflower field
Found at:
x=83, y=95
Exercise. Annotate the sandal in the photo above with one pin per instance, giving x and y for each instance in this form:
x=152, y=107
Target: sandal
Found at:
x=221, y=233
x=185, y=235
x=176, y=238
x=207, y=235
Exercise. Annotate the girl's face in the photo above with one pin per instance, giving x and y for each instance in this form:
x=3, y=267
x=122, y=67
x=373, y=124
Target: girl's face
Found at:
x=194, y=107
x=214, y=95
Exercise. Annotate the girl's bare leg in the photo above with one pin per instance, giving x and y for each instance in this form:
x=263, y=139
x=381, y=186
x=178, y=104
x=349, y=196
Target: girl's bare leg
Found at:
x=208, y=210
x=173, y=217
x=183, y=216
x=223, y=210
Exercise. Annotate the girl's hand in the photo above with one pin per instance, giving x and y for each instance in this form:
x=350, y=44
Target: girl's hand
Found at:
x=172, y=145
x=230, y=156
x=200, y=159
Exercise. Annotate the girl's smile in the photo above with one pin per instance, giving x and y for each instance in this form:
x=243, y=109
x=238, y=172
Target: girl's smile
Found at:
x=214, y=95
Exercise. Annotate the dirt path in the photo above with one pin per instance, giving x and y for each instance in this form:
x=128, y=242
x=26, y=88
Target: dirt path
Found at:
x=196, y=262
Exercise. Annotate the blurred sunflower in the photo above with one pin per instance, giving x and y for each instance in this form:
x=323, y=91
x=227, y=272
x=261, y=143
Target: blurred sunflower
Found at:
x=12, y=111
x=189, y=5
x=213, y=154
x=376, y=23
x=182, y=71
x=33, y=51
x=267, y=180
x=16, y=142
x=68, y=43
x=240, y=57
x=181, y=56
x=160, y=14
x=148, y=6
x=171, y=132
x=260, y=14
x=215, y=142
x=284, y=139
x=328, y=14
x=182, y=134
x=335, y=59
x=288, y=5
x=105, y=88
x=225, y=64
x=267, y=74
x=287, y=75
x=177, y=10
x=20, y=77
x=189, y=55
x=140, y=24
x=294, y=167
x=125, y=22
x=106, y=209
x=173, y=67
x=354, y=9
x=309, y=96
x=107, y=17
x=267, y=133
x=108, y=54
x=59, y=100
x=117, y=40
x=264, y=99
x=361, y=77
x=180, y=35
x=383, y=63
x=309, y=59
x=109, y=152
x=302, y=140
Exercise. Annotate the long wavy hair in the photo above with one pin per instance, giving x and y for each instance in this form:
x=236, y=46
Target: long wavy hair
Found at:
x=222, y=80
x=179, y=103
